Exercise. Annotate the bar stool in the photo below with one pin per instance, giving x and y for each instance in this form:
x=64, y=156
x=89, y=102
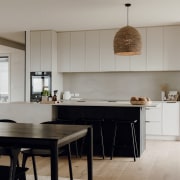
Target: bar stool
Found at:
x=130, y=124
x=98, y=124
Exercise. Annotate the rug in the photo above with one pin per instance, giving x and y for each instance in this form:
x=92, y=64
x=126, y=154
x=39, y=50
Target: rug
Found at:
x=31, y=177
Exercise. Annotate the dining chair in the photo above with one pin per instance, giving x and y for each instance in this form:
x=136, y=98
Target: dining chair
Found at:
x=13, y=171
x=45, y=153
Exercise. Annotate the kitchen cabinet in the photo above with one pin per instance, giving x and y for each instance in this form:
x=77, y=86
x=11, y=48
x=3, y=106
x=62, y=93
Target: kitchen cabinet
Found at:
x=64, y=41
x=77, y=51
x=41, y=49
x=92, y=51
x=122, y=63
x=107, y=57
x=172, y=47
x=92, y=60
x=154, y=120
x=154, y=48
x=170, y=117
x=138, y=62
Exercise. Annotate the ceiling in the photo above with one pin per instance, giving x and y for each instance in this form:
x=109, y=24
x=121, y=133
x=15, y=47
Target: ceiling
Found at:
x=70, y=15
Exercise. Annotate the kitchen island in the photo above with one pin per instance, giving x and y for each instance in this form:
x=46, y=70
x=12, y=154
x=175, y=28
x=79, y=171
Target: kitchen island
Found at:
x=73, y=111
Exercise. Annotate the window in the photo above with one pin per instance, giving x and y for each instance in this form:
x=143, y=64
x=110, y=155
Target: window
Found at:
x=4, y=79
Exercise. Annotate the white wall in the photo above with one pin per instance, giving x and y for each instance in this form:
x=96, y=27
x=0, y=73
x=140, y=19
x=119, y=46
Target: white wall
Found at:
x=121, y=85
x=17, y=76
x=17, y=65
x=17, y=72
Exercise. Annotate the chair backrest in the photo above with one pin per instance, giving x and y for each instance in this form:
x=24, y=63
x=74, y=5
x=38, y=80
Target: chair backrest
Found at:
x=7, y=121
x=50, y=122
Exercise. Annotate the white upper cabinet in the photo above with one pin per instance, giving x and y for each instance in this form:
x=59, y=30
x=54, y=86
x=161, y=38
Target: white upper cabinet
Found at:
x=77, y=51
x=122, y=63
x=41, y=50
x=92, y=51
x=155, y=48
x=35, y=51
x=138, y=62
x=92, y=60
x=64, y=42
x=172, y=47
x=107, y=57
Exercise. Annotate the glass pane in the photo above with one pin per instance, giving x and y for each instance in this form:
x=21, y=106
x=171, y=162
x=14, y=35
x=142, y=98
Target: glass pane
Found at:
x=4, y=76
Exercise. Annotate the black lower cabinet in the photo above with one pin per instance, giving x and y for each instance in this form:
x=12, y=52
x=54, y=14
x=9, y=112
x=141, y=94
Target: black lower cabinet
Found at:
x=107, y=116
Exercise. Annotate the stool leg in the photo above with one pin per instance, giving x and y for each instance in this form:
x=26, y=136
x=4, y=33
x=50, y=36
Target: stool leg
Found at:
x=81, y=148
x=69, y=161
x=102, y=140
x=114, y=140
x=77, y=153
x=133, y=140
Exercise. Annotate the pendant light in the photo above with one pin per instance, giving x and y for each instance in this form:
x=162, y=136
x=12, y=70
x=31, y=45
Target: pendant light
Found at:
x=127, y=41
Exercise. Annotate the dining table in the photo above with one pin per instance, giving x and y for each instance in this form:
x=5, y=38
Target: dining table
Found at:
x=47, y=136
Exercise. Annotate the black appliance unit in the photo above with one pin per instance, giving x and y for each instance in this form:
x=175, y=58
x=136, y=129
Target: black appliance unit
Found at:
x=39, y=81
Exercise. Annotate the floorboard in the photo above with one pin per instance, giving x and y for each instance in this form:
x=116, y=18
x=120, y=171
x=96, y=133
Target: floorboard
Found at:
x=160, y=161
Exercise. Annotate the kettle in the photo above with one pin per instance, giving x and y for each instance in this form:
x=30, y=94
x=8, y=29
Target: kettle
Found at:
x=66, y=95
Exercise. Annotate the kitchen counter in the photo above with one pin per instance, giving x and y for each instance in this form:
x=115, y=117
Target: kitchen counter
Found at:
x=102, y=103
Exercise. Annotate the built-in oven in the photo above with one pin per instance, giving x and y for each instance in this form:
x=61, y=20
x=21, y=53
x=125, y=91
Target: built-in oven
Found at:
x=40, y=82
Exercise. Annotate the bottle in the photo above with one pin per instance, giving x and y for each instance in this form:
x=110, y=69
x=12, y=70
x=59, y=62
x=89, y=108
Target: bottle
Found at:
x=54, y=98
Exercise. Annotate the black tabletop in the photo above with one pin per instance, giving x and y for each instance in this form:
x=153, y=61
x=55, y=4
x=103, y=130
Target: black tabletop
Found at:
x=23, y=132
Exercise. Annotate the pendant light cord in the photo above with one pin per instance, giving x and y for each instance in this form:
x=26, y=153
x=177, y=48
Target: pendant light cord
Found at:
x=128, y=5
x=127, y=16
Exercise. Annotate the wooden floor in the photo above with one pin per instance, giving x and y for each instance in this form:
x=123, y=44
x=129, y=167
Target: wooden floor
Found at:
x=160, y=161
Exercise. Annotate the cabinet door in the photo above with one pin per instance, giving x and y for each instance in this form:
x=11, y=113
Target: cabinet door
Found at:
x=77, y=52
x=35, y=52
x=153, y=120
x=107, y=58
x=63, y=51
x=41, y=50
x=92, y=63
x=46, y=51
x=138, y=62
x=122, y=63
x=155, y=48
x=172, y=47
x=171, y=119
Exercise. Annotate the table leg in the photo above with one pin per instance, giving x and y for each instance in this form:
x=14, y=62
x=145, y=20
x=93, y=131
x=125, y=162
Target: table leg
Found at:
x=54, y=161
x=90, y=153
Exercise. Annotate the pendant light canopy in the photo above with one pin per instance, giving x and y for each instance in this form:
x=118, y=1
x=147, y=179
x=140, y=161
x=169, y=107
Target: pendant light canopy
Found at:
x=127, y=41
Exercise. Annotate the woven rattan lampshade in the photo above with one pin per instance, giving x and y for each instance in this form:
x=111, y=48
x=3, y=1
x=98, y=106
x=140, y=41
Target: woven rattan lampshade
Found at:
x=127, y=41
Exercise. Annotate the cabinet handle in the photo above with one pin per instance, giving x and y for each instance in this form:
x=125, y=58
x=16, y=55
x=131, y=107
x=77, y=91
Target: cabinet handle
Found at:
x=147, y=121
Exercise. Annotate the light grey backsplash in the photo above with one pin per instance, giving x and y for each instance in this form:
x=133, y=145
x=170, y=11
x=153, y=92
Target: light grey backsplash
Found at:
x=120, y=85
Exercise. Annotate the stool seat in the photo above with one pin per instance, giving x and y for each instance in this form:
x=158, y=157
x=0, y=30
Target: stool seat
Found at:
x=131, y=124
